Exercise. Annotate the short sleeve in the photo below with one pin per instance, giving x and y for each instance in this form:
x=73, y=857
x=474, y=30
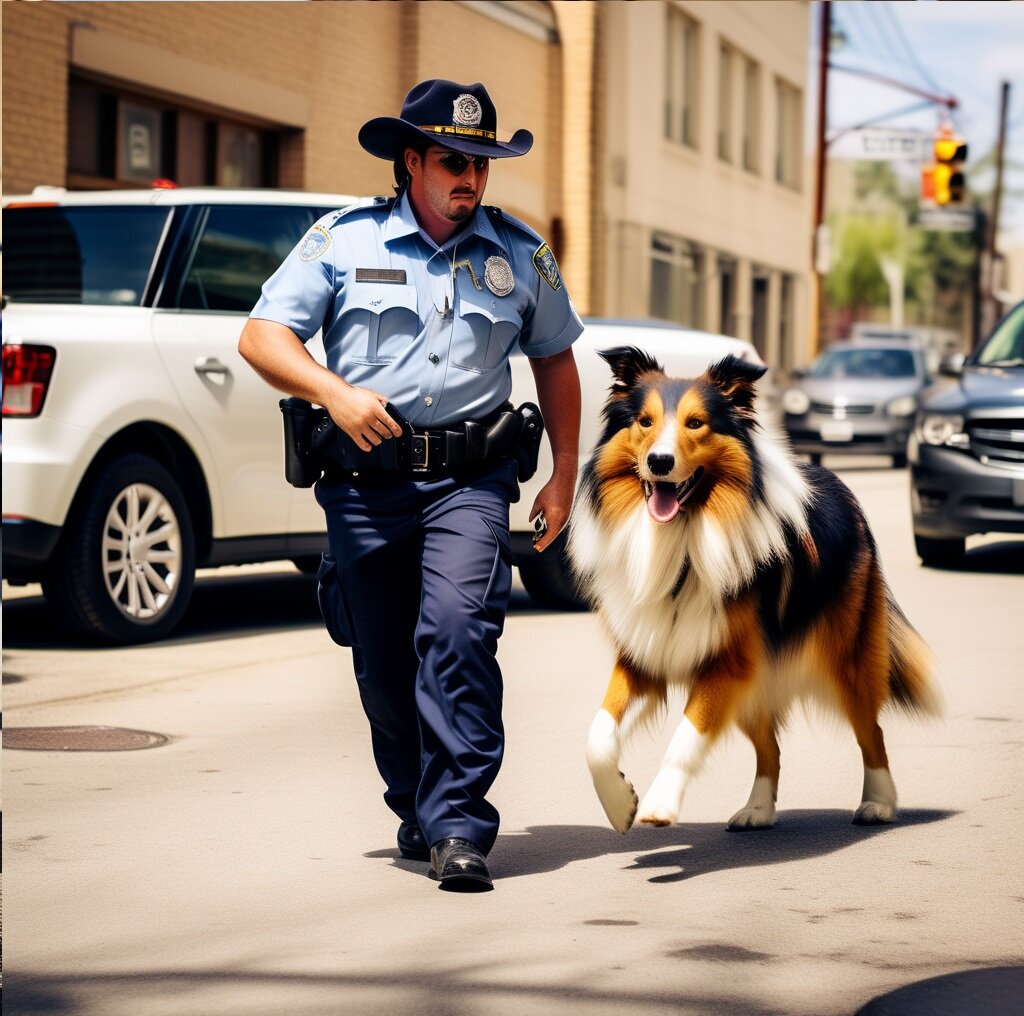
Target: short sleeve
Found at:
x=299, y=293
x=554, y=325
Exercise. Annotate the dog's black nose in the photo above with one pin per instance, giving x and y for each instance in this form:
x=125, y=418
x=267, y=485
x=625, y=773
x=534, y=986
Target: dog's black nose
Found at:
x=661, y=465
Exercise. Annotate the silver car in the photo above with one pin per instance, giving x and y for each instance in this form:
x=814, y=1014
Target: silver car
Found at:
x=857, y=398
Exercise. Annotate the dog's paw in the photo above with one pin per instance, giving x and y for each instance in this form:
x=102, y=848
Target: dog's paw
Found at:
x=618, y=798
x=661, y=804
x=874, y=813
x=757, y=817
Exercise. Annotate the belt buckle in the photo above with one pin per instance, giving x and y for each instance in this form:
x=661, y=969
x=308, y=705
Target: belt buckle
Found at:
x=420, y=453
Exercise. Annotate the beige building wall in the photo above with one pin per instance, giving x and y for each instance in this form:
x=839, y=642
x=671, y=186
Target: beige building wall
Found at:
x=654, y=185
x=317, y=71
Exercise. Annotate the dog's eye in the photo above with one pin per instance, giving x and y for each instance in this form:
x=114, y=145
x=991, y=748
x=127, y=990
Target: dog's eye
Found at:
x=645, y=421
x=694, y=423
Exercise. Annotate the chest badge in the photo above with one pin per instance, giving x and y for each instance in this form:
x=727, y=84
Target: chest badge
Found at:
x=498, y=276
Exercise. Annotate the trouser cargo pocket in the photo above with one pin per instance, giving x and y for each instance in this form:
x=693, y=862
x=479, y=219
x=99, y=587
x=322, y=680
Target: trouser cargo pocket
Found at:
x=333, y=605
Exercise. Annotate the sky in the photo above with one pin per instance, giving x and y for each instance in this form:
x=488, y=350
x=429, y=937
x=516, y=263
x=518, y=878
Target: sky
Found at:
x=963, y=49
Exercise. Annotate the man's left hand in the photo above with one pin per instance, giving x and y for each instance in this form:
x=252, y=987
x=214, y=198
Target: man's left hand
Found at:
x=554, y=501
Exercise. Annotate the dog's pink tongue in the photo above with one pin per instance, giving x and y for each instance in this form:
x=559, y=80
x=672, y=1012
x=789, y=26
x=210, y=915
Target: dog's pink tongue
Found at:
x=662, y=503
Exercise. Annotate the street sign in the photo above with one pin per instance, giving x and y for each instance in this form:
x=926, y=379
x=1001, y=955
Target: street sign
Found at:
x=950, y=220
x=880, y=144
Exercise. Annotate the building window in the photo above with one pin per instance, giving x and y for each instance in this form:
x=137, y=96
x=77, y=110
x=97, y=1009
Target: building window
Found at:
x=116, y=138
x=751, y=116
x=759, y=310
x=677, y=281
x=788, y=127
x=681, y=79
x=725, y=72
x=726, y=294
x=787, y=293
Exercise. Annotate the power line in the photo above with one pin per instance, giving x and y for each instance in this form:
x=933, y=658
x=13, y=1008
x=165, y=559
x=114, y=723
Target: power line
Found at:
x=890, y=14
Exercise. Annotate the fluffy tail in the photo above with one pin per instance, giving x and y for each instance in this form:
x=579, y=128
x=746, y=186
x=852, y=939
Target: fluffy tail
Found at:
x=911, y=671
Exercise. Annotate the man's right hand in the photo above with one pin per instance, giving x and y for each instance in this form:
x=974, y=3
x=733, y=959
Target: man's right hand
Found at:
x=360, y=413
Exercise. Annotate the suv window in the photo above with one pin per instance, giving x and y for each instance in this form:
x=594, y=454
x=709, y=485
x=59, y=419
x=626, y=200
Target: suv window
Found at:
x=241, y=246
x=1005, y=347
x=72, y=254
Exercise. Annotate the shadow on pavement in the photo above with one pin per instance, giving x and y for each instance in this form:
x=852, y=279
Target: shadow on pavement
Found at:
x=465, y=988
x=692, y=849
x=969, y=993
x=222, y=607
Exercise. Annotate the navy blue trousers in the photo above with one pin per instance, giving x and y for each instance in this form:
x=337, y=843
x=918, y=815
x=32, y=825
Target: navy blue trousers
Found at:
x=417, y=583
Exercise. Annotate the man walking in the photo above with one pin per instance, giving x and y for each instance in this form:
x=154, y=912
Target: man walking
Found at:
x=421, y=299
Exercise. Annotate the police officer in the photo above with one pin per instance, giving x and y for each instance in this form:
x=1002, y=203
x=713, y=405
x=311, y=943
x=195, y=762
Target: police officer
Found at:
x=421, y=299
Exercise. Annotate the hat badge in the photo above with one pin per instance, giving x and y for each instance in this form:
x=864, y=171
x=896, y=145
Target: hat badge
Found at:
x=466, y=111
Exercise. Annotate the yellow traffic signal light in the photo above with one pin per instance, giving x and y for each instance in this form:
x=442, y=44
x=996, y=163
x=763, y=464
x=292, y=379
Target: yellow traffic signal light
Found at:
x=948, y=185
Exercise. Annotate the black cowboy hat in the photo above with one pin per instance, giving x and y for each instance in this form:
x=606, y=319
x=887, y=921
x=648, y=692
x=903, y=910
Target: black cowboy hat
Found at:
x=461, y=117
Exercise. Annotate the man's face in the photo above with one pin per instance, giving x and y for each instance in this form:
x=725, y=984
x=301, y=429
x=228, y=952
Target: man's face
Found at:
x=448, y=183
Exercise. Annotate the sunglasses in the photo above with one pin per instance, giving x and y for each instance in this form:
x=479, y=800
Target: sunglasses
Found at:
x=456, y=163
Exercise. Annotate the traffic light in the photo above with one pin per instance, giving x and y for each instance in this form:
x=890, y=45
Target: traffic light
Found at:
x=947, y=183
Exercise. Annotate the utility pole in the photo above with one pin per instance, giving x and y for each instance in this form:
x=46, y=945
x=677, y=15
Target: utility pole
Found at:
x=818, y=268
x=990, y=302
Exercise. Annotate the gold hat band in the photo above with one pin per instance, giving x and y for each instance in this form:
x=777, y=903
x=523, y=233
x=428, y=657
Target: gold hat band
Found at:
x=473, y=132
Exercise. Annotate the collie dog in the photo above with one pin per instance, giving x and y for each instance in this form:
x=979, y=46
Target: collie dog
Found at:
x=720, y=564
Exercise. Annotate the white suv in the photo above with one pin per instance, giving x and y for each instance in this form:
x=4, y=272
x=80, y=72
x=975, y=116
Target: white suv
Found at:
x=139, y=446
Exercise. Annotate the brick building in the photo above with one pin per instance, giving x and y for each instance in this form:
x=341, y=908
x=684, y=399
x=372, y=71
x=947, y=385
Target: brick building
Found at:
x=664, y=170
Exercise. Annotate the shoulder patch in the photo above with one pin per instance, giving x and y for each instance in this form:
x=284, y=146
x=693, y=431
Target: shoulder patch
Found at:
x=547, y=267
x=316, y=243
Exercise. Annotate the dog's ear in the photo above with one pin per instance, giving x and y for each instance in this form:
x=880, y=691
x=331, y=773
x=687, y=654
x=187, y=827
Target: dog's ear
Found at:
x=627, y=364
x=735, y=379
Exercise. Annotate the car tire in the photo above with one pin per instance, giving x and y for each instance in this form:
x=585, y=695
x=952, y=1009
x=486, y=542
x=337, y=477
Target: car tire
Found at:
x=814, y=458
x=548, y=577
x=308, y=565
x=899, y=460
x=940, y=553
x=125, y=566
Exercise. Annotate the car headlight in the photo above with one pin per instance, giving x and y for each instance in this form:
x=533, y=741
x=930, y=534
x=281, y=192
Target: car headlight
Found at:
x=942, y=429
x=795, y=402
x=905, y=405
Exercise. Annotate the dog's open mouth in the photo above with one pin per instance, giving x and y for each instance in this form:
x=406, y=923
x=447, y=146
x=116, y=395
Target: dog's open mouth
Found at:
x=665, y=499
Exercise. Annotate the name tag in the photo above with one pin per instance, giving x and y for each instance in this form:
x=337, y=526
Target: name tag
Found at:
x=396, y=275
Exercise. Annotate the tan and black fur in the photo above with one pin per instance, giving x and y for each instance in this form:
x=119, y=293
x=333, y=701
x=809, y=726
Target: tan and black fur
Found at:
x=721, y=565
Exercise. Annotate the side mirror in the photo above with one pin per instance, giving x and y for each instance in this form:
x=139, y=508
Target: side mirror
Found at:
x=952, y=365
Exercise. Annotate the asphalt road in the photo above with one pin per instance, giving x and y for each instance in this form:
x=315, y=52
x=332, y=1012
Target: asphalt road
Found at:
x=247, y=866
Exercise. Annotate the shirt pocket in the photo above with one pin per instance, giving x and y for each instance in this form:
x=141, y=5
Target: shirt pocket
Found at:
x=489, y=327
x=382, y=318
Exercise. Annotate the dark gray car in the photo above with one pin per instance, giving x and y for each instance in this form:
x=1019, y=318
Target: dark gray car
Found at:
x=967, y=449
x=857, y=398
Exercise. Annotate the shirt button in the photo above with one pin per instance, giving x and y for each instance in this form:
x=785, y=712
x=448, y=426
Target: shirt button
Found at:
x=428, y=401
x=434, y=358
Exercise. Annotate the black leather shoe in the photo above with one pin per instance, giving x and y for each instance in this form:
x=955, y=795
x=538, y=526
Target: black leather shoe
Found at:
x=411, y=843
x=459, y=866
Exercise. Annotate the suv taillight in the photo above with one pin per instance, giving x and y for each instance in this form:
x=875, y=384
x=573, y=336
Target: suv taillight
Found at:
x=27, y=373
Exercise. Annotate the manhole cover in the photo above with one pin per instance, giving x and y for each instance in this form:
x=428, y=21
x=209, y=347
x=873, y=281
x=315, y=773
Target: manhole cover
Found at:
x=80, y=739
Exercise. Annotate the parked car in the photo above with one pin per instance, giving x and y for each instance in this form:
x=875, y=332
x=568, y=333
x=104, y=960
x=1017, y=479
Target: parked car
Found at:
x=139, y=445
x=967, y=449
x=936, y=342
x=857, y=398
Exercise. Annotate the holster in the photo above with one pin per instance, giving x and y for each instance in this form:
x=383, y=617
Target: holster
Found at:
x=301, y=467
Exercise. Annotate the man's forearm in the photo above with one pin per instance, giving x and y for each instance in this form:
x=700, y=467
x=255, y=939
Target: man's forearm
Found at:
x=558, y=392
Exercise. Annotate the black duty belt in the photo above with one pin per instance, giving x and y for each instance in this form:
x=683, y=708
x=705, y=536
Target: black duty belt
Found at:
x=314, y=444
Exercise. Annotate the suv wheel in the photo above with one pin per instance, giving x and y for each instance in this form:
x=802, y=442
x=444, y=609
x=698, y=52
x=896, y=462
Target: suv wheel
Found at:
x=940, y=553
x=548, y=577
x=127, y=561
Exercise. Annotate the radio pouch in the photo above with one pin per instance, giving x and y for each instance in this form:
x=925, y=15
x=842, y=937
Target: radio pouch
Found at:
x=527, y=448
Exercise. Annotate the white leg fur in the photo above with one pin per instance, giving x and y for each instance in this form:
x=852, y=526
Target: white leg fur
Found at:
x=614, y=791
x=683, y=759
x=759, y=811
x=878, y=803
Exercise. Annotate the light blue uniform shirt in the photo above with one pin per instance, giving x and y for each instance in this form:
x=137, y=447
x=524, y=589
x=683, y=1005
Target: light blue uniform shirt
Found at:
x=405, y=317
